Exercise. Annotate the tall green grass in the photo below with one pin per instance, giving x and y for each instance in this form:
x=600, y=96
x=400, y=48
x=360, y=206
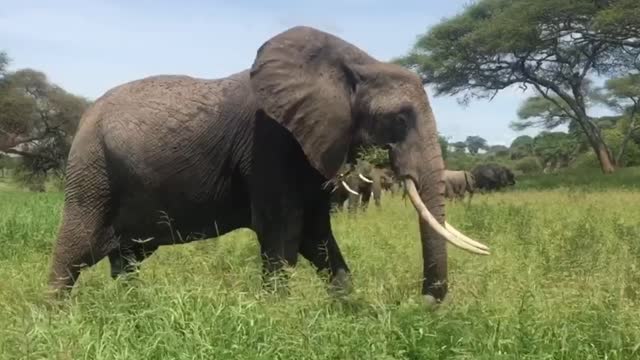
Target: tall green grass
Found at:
x=584, y=179
x=563, y=282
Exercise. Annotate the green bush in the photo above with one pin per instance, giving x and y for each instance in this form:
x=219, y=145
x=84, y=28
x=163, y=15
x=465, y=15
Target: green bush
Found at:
x=528, y=165
x=375, y=156
x=631, y=156
x=586, y=160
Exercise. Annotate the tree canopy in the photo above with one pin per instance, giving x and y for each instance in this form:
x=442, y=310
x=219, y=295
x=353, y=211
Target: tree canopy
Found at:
x=37, y=119
x=552, y=46
x=475, y=143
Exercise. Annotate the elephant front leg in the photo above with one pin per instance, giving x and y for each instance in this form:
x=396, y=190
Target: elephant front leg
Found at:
x=366, y=196
x=279, y=234
x=125, y=261
x=320, y=247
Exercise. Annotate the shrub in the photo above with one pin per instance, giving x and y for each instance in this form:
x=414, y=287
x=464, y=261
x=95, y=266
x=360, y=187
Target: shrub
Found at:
x=528, y=165
x=375, y=156
x=614, y=139
x=586, y=160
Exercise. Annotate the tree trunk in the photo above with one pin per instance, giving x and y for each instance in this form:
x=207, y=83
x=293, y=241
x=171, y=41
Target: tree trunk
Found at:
x=605, y=158
x=627, y=136
x=594, y=135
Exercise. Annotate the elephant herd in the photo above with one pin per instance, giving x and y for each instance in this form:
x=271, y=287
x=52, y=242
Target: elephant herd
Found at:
x=356, y=184
x=171, y=159
x=484, y=177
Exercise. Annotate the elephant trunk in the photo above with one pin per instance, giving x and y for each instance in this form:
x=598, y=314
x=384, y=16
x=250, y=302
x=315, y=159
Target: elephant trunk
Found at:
x=418, y=161
x=434, y=248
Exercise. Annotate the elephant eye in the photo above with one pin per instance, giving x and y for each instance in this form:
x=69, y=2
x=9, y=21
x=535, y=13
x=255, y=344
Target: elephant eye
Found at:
x=398, y=128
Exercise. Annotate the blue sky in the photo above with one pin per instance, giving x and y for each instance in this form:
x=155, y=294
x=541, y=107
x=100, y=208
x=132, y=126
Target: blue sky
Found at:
x=90, y=46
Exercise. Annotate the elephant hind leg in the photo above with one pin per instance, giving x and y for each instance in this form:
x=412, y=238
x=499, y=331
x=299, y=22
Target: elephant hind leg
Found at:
x=83, y=240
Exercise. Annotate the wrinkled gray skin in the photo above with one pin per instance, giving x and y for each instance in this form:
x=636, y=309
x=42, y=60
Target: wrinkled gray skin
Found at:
x=252, y=150
x=458, y=183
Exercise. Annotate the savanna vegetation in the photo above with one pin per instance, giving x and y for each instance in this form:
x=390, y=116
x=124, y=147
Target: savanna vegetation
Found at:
x=562, y=50
x=561, y=287
x=562, y=282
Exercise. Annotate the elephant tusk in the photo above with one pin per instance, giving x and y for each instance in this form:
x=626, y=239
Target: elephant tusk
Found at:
x=349, y=189
x=424, y=213
x=365, y=179
x=464, y=237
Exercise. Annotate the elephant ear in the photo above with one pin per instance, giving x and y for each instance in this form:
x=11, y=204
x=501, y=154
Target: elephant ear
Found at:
x=304, y=79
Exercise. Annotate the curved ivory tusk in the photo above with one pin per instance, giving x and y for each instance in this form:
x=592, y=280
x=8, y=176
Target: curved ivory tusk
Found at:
x=422, y=210
x=349, y=189
x=464, y=237
x=365, y=179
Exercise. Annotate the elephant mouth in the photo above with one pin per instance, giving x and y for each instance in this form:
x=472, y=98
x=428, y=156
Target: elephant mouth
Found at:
x=448, y=232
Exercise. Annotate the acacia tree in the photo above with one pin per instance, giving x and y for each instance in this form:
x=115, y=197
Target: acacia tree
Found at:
x=475, y=143
x=554, y=148
x=4, y=61
x=623, y=95
x=37, y=119
x=551, y=46
x=521, y=146
x=498, y=150
x=459, y=146
x=619, y=23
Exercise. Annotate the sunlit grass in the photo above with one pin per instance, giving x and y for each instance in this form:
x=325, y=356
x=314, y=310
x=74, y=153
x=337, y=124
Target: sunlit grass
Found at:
x=562, y=283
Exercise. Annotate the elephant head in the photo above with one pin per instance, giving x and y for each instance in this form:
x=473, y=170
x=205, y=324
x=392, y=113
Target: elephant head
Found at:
x=509, y=177
x=333, y=97
x=352, y=183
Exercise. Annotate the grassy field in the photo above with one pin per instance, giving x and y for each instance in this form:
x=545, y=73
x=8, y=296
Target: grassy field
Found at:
x=583, y=179
x=563, y=282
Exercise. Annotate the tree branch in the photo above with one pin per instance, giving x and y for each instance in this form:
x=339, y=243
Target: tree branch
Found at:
x=15, y=140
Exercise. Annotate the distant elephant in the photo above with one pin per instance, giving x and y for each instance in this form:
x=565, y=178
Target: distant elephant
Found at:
x=457, y=183
x=492, y=176
x=385, y=178
x=171, y=159
x=356, y=186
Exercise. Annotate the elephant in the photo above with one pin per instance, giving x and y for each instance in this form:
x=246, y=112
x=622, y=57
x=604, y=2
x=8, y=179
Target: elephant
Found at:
x=384, y=176
x=492, y=176
x=356, y=185
x=342, y=187
x=457, y=183
x=170, y=159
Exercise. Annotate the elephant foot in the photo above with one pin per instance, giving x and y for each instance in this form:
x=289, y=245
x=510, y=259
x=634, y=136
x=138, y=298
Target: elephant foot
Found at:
x=341, y=285
x=56, y=298
x=431, y=303
x=129, y=280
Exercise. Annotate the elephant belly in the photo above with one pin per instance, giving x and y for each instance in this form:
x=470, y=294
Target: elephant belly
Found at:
x=172, y=216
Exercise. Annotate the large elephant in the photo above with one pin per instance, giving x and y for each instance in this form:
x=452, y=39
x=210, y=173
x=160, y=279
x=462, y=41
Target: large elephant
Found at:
x=457, y=183
x=171, y=159
x=492, y=176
